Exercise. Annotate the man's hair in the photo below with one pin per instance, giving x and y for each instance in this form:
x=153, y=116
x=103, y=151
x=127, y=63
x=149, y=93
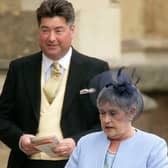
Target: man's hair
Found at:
x=52, y=8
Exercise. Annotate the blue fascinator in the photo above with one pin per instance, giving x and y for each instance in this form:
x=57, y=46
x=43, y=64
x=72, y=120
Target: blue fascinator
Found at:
x=123, y=83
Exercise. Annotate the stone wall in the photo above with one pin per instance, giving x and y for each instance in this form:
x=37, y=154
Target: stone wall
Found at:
x=144, y=18
x=132, y=19
x=156, y=18
x=18, y=35
x=13, y=7
x=144, y=34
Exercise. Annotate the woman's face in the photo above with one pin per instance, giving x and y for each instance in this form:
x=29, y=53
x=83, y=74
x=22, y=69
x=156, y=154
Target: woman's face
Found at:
x=115, y=122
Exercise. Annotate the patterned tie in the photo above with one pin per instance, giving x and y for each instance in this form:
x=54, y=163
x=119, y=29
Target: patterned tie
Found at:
x=51, y=87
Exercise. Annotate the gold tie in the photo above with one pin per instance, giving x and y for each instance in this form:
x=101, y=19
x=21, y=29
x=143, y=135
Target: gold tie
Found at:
x=52, y=85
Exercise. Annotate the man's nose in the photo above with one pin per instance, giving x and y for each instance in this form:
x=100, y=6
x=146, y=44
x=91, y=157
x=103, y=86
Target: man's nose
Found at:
x=52, y=36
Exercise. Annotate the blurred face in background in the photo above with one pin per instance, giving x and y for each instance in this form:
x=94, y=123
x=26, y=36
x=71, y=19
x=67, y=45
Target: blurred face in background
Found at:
x=115, y=122
x=55, y=36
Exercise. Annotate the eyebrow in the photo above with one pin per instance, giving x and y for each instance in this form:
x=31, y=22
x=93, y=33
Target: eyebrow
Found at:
x=58, y=27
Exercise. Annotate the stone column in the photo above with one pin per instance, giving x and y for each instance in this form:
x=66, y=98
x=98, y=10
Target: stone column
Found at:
x=98, y=28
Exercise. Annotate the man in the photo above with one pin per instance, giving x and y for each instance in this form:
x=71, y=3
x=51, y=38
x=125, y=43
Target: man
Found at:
x=25, y=109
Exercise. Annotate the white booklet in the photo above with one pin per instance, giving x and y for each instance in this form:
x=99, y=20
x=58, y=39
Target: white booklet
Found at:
x=45, y=144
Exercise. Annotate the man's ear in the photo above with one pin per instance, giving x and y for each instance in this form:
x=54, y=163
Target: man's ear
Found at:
x=72, y=28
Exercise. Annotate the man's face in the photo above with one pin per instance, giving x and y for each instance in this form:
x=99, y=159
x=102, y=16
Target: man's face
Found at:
x=55, y=36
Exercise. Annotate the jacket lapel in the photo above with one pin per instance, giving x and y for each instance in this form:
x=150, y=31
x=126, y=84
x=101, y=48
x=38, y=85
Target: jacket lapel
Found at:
x=74, y=79
x=101, y=148
x=32, y=80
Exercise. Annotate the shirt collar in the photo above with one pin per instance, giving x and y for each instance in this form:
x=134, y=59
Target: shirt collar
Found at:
x=63, y=61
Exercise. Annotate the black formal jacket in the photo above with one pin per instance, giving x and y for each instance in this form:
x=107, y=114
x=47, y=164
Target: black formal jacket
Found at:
x=21, y=96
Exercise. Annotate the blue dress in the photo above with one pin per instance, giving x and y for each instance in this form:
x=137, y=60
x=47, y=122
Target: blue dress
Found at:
x=142, y=150
x=109, y=159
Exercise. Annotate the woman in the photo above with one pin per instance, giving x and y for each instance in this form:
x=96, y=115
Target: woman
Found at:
x=119, y=145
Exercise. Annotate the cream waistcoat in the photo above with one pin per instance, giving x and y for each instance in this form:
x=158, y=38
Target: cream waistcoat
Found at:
x=50, y=116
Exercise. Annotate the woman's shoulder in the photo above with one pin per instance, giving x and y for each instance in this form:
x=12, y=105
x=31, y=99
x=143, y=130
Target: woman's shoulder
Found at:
x=92, y=137
x=149, y=137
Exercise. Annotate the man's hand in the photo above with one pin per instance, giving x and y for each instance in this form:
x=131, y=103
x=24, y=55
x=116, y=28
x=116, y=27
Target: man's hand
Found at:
x=65, y=147
x=26, y=145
